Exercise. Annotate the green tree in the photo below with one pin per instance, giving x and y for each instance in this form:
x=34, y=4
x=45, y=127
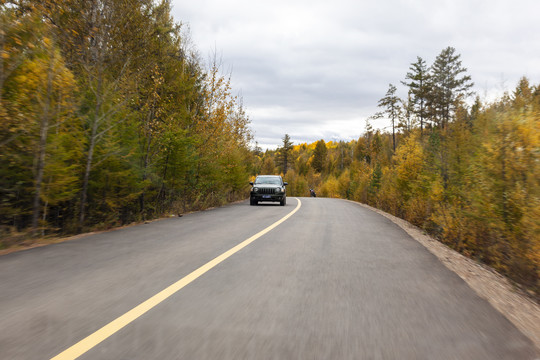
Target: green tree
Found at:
x=39, y=99
x=319, y=156
x=284, y=153
x=19, y=36
x=268, y=165
x=52, y=102
x=361, y=151
x=419, y=83
x=408, y=119
x=375, y=181
x=392, y=110
x=93, y=40
x=448, y=83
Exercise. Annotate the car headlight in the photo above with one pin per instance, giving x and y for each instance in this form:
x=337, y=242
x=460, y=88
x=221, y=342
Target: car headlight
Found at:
x=255, y=189
x=278, y=190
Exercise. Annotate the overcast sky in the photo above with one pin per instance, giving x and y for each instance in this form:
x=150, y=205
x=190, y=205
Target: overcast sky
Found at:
x=316, y=69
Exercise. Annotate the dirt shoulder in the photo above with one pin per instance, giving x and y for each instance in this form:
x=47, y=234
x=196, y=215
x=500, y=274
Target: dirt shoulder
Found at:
x=29, y=242
x=517, y=307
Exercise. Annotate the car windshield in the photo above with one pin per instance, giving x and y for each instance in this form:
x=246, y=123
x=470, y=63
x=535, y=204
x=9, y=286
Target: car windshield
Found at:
x=268, y=180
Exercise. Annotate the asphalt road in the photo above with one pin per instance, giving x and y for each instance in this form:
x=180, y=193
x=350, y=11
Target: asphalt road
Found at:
x=334, y=281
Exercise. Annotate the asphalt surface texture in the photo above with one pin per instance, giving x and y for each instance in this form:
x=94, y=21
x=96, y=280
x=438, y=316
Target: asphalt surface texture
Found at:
x=333, y=281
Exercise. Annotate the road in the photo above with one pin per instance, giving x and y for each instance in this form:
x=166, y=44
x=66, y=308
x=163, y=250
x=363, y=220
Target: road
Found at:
x=333, y=281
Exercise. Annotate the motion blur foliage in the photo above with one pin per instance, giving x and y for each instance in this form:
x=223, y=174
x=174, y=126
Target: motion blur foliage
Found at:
x=108, y=116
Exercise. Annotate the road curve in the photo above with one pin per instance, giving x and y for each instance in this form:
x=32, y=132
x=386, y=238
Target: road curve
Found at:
x=333, y=281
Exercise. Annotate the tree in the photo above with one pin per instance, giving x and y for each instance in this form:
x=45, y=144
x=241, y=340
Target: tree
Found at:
x=18, y=38
x=19, y=35
x=360, y=149
x=448, y=83
x=376, y=147
x=257, y=150
x=392, y=110
x=284, y=153
x=375, y=180
x=51, y=98
x=409, y=159
x=158, y=81
x=39, y=99
x=319, y=156
x=99, y=39
x=92, y=37
x=267, y=167
x=523, y=95
x=419, y=86
x=407, y=121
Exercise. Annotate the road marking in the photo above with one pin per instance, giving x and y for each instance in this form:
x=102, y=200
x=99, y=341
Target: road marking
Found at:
x=106, y=331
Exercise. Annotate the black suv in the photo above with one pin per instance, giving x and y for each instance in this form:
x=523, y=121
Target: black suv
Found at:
x=268, y=188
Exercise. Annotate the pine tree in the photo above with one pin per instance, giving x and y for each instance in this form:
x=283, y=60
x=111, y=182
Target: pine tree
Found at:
x=392, y=110
x=319, y=156
x=408, y=120
x=448, y=84
x=284, y=153
x=375, y=181
x=419, y=86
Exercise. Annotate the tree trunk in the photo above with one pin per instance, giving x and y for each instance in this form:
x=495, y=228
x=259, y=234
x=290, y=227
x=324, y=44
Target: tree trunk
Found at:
x=393, y=134
x=86, y=177
x=95, y=56
x=422, y=117
x=160, y=195
x=40, y=163
x=93, y=140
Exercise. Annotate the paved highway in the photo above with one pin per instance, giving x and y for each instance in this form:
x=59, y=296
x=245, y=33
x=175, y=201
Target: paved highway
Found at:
x=332, y=281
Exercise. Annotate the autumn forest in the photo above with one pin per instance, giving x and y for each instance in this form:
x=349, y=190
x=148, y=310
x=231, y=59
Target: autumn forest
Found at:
x=467, y=174
x=109, y=116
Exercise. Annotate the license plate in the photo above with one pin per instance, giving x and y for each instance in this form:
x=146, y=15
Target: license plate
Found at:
x=267, y=197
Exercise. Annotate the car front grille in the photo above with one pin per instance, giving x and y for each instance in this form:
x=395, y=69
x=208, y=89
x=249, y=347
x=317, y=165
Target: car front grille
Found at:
x=267, y=191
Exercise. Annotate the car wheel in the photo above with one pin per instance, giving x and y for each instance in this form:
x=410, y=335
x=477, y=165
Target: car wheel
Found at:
x=283, y=202
x=253, y=202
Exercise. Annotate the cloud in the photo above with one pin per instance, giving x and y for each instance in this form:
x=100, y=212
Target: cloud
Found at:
x=316, y=69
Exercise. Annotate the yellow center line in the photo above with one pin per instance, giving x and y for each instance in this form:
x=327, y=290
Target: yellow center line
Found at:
x=108, y=330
